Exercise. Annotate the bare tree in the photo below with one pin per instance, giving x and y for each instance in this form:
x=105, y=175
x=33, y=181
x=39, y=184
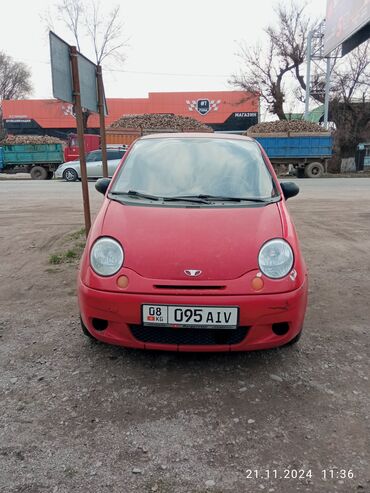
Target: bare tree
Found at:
x=351, y=75
x=15, y=78
x=96, y=33
x=264, y=70
x=349, y=104
x=272, y=70
x=15, y=81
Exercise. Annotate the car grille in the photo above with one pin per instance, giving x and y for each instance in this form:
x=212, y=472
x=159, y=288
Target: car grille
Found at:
x=188, y=336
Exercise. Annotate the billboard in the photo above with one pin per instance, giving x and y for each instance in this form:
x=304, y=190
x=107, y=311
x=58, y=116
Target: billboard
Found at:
x=61, y=75
x=343, y=19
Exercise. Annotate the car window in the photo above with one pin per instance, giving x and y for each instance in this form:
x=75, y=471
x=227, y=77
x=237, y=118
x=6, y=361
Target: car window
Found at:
x=115, y=154
x=193, y=166
x=93, y=156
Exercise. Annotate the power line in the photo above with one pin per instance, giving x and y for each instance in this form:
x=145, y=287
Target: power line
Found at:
x=165, y=73
x=140, y=72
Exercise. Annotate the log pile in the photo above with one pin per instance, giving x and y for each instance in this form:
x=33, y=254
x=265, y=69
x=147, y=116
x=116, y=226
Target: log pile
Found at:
x=160, y=121
x=30, y=139
x=285, y=126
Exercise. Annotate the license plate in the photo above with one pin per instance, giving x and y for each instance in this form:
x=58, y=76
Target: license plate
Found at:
x=202, y=317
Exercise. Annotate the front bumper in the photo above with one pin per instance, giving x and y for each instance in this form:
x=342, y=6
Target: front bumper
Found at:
x=122, y=312
x=58, y=173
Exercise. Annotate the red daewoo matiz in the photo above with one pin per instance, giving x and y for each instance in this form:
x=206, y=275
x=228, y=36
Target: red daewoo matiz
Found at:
x=193, y=250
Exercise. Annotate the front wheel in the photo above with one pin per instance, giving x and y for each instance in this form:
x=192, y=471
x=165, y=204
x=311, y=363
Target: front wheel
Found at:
x=70, y=174
x=85, y=331
x=295, y=339
x=314, y=170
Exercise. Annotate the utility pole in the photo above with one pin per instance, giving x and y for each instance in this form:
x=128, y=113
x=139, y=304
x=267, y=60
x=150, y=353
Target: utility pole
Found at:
x=80, y=134
x=308, y=75
x=101, y=107
x=315, y=45
x=327, y=90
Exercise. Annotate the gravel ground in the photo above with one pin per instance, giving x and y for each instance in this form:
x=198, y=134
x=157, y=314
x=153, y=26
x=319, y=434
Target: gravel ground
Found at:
x=76, y=416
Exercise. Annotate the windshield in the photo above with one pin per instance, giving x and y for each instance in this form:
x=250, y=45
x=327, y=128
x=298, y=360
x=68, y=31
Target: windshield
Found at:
x=170, y=167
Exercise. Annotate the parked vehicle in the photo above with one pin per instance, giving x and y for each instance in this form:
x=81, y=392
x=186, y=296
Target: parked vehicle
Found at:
x=41, y=160
x=71, y=151
x=71, y=171
x=193, y=250
x=308, y=153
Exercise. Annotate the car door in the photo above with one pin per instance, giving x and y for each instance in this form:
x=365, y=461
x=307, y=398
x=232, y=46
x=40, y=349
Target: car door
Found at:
x=94, y=164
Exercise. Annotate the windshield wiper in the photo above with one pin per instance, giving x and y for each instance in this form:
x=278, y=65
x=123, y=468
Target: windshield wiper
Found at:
x=139, y=195
x=187, y=198
x=228, y=199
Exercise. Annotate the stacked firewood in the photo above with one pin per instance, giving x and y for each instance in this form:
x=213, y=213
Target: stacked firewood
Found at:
x=30, y=139
x=284, y=126
x=160, y=121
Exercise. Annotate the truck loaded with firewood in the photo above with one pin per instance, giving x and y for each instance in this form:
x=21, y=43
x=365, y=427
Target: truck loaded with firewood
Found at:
x=38, y=155
x=303, y=145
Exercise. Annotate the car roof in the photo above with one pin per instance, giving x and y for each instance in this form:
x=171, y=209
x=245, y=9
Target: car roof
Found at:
x=196, y=135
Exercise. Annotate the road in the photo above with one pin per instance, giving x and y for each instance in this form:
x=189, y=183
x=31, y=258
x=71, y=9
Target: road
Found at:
x=82, y=417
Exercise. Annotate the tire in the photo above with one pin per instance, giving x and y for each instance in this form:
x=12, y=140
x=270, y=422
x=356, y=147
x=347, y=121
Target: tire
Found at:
x=85, y=331
x=50, y=175
x=70, y=174
x=314, y=170
x=39, y=173
x=295, y=339
x=300, y=172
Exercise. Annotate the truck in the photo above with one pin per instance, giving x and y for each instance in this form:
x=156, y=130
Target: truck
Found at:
x=40, y=160
x=307, y=152
x=71, y=151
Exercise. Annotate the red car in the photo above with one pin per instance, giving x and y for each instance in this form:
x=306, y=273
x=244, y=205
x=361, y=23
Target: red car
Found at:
x=193, y=250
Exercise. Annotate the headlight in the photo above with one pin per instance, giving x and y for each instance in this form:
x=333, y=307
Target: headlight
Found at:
x=276, y=259
x=106, y=257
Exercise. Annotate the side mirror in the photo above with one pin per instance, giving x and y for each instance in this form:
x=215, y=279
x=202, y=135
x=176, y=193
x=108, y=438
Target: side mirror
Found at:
x=102, y=185
x=290, y=189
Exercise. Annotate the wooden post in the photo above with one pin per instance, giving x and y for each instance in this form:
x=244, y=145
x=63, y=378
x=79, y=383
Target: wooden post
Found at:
x=101, y=107
x=80, y=135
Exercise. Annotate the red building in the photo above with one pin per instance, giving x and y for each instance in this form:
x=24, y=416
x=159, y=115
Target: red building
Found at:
x=222, y=110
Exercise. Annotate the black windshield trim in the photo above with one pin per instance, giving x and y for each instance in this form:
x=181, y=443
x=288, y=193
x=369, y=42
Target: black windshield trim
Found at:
x=201, y=199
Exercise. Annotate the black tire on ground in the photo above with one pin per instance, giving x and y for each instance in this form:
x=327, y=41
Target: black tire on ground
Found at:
x=300, y=172
x=314, y=170
x=50, y=175
x=39, y=173
x=295, y=339
x=85, y=331
x=70, y=174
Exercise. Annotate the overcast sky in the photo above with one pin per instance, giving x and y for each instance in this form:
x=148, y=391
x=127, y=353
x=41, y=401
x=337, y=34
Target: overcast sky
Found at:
x=187, y=45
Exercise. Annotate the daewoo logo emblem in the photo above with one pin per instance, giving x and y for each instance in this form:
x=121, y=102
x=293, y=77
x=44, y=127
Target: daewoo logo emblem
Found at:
x=192, y=273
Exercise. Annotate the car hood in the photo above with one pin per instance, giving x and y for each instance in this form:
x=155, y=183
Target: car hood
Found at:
x=163, y=242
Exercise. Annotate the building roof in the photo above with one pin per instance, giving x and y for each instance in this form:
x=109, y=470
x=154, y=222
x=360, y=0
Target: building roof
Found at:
x=218, y=106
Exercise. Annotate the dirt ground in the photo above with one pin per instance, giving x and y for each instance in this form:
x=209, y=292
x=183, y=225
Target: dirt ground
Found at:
x=76, y=416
